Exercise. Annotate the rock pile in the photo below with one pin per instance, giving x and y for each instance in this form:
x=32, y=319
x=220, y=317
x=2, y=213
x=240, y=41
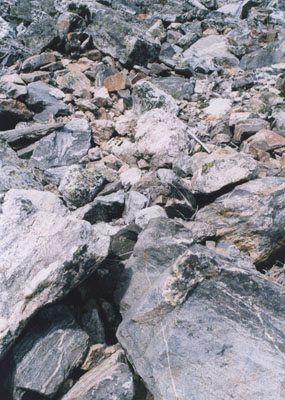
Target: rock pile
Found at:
x=142, y=202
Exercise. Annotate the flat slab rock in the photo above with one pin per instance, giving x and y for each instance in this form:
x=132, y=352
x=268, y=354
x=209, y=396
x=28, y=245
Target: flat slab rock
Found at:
x=44, y=253
x=252, y=216
x=208, y=326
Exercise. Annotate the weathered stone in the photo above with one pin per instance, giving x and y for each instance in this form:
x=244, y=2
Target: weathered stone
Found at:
x=12, y=112
x=244, y=129
x=102, y=130
x=271, y=54
x=124, y=41
x=123, y=242
x=143, y=217
x=111, y=379
x=218, y=108
x=37, y=61
x=46, y=356
x=147, y=97
x=76, y=83
x=208, y=51
x=116, y=82
x=32, y=274
x=179, y=88
x=188, y=331
x=80, y=185
x=13, y=86
x=130, y=176
x=63, y=147
x=42, y=101
x=222, y=168
x=135, y=202
x=251, y=216
x=92, y=324
x=161, y=137
x=262, y=143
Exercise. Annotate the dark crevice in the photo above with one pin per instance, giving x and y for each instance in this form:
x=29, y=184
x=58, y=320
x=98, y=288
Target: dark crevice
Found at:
x=277, y=258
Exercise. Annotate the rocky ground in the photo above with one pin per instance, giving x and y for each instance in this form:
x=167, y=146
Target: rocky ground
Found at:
x=142, y=200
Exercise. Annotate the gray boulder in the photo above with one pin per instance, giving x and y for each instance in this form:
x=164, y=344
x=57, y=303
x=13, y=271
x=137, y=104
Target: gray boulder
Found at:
x=122, y=40
x=252, y=216
x=43, y=255
x=273, y=53
x=197, y=328
x=46, y=356
x=221, y=168
x=42, y=100
x=146, y=96
x=179, y=88
x=63, y=147
x=160, y=137
x=80, y=185
x=109, y=380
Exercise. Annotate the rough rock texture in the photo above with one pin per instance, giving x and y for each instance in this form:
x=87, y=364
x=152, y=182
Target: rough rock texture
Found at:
x=248, y=217
x=191, y=327
x=32, y=275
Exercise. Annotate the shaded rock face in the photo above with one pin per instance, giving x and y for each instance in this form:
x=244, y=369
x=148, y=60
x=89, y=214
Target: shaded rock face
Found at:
x=142, y=202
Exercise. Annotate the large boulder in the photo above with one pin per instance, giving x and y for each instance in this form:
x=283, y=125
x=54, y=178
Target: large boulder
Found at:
x=205, y=325
x=48, y=353
x=160, y=137
x=121, y=39
x=63, y=147
x=252, y=216
x=273, y=53
x=44, y=253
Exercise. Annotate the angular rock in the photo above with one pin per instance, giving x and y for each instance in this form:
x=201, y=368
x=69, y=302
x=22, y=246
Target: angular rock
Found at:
x=43, y=256
x=143, y=217
x=222, y=168
x=130, y=177
x=179, y=88
x=35, y=62
x=76, y=83
x=122, y=40
x=13, y=86
x=12, y=112
x=197, y=327
x=111, y=379
x=161, y=137
x=116, y=82
x=273, y=53
x=208, y=51
x=218, y=108
x=42, y=100
x=63, y=147
x=147, y=97
x=123, y=242
x=247, y=128
x=46, y=356
x=93, y=325
x=251, y=216
x=80, y=185
x=263, y=143
x=102, y=130
x=135, y=202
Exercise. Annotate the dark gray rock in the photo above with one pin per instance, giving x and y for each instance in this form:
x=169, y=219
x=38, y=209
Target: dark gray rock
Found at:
x=109, y=380
x=251, y=216
x=44, y=253
x=273, y=53
x=123, y=242
x=80, y=185
x=63, y=147
x=48, y=353
x=179, y=88
x=205, y=324
x=12, y=112
x=92, y=324
x=170, y=54
x=122, y=40
x=43, y=101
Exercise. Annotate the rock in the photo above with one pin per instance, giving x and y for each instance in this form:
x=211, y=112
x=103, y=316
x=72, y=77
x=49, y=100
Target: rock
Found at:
x=247, y=128
x=218, y=108
x=76, y=83
x=32, y=275
x=170, y=54
x=208, y=51
x=45, y=358
x=111, y=379
x=187, y=329
x=43, y=102
x=262, y=143
x=93, y=325
x=135, y=202
x=116, y=82
x=222, y=168
x=268, y=55
x=80, y=185
x=179, y=88
x=181, y=202
x=123, y=242
x=103, y=208
x=13, y=86
x=35, y=62
x=143, y=216
x=130, y=176
x=251, y=216
x=35, y=76
x=102, y=130
x=147, y=97
x=123, y=41
x=12, y=112
x=125, y=123
x=161, y=137
x=63, y=147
